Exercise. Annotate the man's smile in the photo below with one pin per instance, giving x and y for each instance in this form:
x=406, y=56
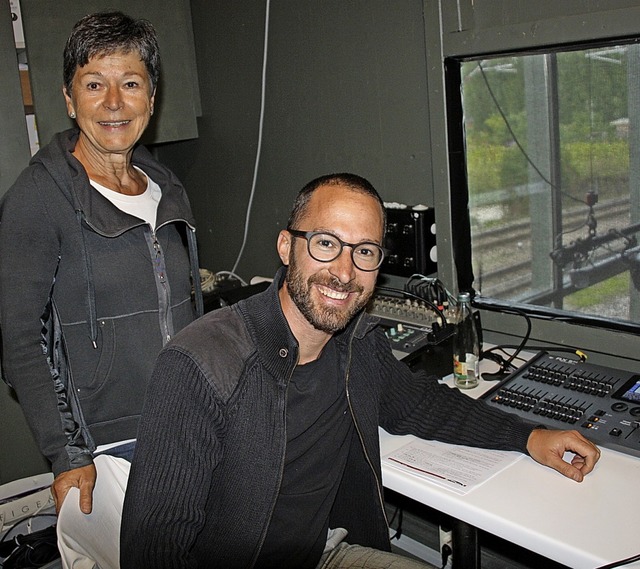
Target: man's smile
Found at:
x=332, y=293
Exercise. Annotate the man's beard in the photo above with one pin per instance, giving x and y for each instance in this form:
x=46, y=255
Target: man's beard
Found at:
x=323, y=318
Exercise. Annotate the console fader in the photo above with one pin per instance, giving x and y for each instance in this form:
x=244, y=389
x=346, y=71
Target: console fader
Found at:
x=600, y=402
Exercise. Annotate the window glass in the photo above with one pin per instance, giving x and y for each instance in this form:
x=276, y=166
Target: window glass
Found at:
x=552, y=144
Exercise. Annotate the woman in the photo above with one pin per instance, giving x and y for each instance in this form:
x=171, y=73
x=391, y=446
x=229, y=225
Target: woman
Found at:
x=97, y=247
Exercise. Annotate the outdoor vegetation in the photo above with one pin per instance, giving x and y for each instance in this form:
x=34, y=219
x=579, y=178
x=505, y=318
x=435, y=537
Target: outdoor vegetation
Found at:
x=590, y=107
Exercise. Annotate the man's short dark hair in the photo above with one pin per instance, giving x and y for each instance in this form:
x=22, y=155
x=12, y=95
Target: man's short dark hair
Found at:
x=105, y=33
x=352, y=181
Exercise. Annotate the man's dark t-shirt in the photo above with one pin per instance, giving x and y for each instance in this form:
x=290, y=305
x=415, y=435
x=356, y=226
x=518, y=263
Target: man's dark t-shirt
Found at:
x=319, y=429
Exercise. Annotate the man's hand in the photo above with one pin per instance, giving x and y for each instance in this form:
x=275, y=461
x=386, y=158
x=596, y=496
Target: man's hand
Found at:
x=547, y=446
x=83, y=478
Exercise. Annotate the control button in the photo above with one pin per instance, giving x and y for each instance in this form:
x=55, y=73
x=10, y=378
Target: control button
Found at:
x=587, y=425
x=635, y=411
x=615, y=432
x=599, y=413
x=619, y=406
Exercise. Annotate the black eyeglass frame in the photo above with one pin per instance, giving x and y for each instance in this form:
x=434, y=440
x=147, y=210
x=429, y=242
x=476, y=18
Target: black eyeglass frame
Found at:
x=308, y=235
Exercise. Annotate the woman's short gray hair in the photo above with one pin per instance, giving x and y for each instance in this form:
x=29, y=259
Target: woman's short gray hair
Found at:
x=105, y=33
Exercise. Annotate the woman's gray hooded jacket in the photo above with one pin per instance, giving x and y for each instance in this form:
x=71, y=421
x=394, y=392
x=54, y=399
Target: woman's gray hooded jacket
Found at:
x=88, y=297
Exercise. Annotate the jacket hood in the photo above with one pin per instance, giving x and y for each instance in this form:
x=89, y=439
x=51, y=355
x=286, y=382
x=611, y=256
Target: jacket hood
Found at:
x=73, y=182
x=57, y=159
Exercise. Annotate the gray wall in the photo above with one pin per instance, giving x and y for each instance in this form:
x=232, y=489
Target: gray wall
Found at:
x=356, y=86
x=346, y=89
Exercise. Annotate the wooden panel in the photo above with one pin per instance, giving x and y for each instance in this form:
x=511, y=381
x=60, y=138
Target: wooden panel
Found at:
x=177, y=100
x=25, y=86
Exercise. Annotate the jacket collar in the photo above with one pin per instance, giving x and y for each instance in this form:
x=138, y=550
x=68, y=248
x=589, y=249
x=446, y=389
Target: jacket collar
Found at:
x=95, y=209
x=276, y=345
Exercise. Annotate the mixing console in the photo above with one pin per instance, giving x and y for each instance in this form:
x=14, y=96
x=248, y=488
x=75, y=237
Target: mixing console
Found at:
x=409, y=324
x=600, y=402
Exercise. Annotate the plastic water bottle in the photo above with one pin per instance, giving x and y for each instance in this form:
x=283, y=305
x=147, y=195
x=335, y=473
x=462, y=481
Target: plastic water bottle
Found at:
x=466, y=346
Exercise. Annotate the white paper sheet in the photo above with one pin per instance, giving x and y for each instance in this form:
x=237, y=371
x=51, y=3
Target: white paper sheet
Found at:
x=458, y=468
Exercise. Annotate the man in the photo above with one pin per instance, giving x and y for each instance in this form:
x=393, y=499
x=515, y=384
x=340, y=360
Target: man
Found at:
x=258, y=445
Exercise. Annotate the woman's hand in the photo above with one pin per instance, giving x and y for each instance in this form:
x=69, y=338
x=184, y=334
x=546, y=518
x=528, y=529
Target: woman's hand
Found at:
x=83, y=478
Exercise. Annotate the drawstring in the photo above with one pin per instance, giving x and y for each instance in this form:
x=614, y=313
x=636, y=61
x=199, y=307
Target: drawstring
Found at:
x=91, y=293
x=195, y=270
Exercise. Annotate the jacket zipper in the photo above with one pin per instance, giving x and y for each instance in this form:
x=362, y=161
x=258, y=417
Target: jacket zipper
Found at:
x=160, y=271
x=280, y=474
x=163, y=300
x=357, y=427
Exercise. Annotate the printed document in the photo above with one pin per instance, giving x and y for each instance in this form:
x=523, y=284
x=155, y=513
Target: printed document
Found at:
x=458, y=468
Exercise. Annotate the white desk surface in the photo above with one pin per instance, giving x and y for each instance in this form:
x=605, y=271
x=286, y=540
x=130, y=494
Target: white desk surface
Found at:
x=583, y=525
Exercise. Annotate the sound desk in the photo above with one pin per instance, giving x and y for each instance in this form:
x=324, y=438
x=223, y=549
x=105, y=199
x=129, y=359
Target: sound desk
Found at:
x=415, y=332
x=600, y=402
x=409, y=324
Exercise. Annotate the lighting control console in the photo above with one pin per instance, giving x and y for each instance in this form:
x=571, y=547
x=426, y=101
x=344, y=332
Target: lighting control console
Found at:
x=600, y=402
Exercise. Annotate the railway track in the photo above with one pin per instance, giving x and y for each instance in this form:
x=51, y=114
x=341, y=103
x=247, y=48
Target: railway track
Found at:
x=503, y=255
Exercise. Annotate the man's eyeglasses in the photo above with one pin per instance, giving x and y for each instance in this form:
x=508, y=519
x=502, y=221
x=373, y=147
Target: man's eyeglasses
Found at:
x=326, y=247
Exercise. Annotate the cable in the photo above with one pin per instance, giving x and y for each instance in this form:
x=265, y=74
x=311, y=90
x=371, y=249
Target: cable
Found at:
x=393, y=518
x=620, y=563
x=400, y=513
x=505, y=368
x=430, y=288
x=446, y=553
x=259, y=149
x=507, y=364
x=525, y=153
x=35, y=549
x=415, y=296
x=232, y=275
x=517, y=142
x=490, y=353
x=582, y=357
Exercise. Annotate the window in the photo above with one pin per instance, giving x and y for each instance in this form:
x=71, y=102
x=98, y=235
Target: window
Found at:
x=550, y=147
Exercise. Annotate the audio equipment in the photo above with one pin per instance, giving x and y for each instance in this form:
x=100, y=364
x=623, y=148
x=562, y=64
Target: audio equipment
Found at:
x=416, y=332
x=411, y=240
x=410, y=324
x=600, y=402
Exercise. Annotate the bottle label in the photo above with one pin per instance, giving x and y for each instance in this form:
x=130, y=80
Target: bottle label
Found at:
x=466, y=373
